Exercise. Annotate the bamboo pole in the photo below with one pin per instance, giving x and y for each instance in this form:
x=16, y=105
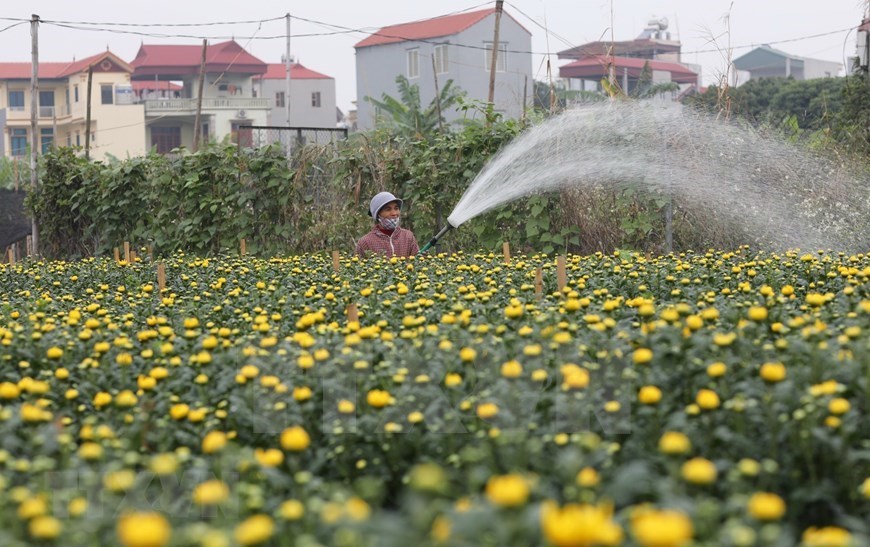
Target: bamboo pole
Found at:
x=561, y=273
x=197, y=123
x=127, y=252
x=506, y=249
x=539, y=283
x=161, y=276
x=117, y=255
x=352, y=313
x=335, y=260
x=242, y=249
x=11, y=254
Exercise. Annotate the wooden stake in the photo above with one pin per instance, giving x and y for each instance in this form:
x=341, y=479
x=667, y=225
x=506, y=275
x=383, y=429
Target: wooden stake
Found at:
x=242, y=249
x=117, y=255
x=352, y=313
x=506, y=249
x=127, y=252
x=539, y=283
x=161, y=276
x=561, y=274
x=335, y=260
x=132, y=256
x=151, y=253
x=28, y=246
x=11, y=255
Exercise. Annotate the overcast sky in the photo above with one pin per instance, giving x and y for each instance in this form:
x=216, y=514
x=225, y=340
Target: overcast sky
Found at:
x=705, y=27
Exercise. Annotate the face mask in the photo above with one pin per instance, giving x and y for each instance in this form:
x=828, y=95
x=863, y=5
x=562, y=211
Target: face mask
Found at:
x=389, y=223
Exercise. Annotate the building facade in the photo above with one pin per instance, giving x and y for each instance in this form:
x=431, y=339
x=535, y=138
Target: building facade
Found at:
x=455, y=47
x=623, y=62
x=312, y=96
x=767, y=62
x=229, y=99
x=116, y=122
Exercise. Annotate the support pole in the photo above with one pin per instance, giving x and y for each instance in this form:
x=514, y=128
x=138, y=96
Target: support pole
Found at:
x=34, y=97
x=88, y=115
x=289, y=66
x=669, y=227
x=498, y=9
x=197, y=124
x=561, y=272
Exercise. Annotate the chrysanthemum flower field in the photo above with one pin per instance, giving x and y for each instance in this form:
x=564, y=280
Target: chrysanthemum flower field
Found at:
x=707, y=398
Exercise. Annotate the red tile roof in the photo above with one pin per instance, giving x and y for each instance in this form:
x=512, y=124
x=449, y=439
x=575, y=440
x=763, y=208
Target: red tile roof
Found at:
x=227, y=57
x=446, y=25
x=21, y=71
x=278, y=71
x=53, y=71
x=596, y=66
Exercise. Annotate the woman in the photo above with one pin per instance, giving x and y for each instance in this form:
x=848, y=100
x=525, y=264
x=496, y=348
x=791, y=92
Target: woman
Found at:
x=387, y=238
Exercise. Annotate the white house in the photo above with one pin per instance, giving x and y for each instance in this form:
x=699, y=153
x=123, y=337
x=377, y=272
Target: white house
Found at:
x=116, y=123
x=312, y=96
x=228, y=99
x=767, y=62
x=455, y=47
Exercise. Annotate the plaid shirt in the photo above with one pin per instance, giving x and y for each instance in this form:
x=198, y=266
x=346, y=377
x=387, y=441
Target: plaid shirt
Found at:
x=401, y=243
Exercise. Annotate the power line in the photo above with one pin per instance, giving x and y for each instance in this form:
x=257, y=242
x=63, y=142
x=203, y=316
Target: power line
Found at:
x=13, y=25
x=84, y=26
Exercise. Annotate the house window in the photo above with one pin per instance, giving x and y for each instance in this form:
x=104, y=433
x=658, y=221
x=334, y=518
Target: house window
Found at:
x=501, y=58
x=76, y=92
x=165, y=139
x=440, y=53
x=19, y=142
x=315, y=99
x=46, y=138
x=204, y=132
x=46, y=104
x=69, y=139
x=279, y=99
x=78, y=139
x=16, y=100
x=413, y=63
x=106, y=94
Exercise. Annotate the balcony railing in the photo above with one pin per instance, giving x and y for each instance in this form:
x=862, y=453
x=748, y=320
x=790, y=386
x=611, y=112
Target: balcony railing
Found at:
x=44, y=112
x=188, y=106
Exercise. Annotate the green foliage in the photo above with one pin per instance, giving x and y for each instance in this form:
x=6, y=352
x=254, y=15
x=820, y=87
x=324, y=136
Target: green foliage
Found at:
x=563, y=96
x=769, y=101
x=853, y=120
x=14, y=172
x=405, y=114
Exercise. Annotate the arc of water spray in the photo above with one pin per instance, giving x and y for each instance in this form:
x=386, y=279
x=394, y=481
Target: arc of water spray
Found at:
x=774, y=193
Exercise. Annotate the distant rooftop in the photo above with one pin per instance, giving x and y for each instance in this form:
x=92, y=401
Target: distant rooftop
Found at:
x=278, y=71
x=179, y=60
x=446, y=25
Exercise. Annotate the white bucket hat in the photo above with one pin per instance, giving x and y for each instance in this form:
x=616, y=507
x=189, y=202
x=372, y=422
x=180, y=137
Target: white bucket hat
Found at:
x=379, y=201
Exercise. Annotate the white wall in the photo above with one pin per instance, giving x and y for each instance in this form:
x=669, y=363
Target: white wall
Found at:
x=302, y=113
x=814, y=68
x=378, y=66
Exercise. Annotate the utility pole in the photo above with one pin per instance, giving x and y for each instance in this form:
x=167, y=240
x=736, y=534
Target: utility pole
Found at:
x=440, y=130
x=34, y=96
x=289, y=65
x=197, y=124
x=498, y=9
x=437, y=98
x=88, y=114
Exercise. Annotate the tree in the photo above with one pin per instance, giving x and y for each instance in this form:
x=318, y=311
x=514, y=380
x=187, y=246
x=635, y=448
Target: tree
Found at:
x=405, y=114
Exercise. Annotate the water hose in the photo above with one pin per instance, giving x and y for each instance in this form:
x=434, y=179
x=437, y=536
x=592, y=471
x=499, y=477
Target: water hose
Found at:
x=447, y=227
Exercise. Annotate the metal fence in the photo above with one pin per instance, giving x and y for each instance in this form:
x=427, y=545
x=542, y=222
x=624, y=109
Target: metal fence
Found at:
x=256, y=136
